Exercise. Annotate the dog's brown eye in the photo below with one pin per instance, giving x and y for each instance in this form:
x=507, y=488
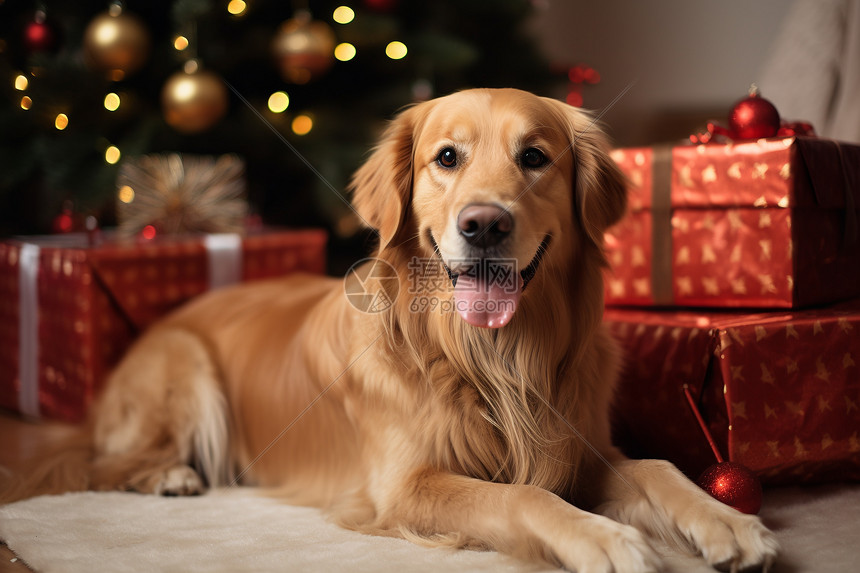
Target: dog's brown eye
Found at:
x=533, y=158
x=447, y=158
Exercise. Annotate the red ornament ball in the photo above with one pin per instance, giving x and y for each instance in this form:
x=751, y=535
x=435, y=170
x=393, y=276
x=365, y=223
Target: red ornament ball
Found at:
x=754, y=117
x=41, y=35
x=733, y=484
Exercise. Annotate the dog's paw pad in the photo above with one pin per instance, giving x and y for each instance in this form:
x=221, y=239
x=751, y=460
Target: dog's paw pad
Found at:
x=180, y=480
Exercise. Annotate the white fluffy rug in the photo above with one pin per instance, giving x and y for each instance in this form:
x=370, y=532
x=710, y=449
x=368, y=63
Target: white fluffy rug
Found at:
x=237, y=530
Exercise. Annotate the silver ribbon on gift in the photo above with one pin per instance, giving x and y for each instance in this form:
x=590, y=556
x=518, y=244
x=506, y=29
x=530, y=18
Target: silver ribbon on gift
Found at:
x=224, y=254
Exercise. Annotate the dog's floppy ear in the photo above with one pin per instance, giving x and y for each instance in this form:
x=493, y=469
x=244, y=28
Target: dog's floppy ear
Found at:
x=382, y=187
x=600, y=188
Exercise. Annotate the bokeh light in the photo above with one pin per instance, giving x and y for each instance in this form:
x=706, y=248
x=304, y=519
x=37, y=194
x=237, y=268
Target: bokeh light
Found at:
x=279, y=102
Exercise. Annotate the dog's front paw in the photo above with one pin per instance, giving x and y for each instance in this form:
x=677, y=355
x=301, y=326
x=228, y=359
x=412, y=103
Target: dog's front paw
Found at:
x=731, y=540
x=177, y=481
x=605, y=546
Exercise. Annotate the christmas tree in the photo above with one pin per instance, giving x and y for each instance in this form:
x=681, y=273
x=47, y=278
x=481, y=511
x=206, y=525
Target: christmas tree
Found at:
x=318, y=77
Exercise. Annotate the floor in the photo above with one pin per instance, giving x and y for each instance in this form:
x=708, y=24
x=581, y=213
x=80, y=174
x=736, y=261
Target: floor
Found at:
x=20, y=439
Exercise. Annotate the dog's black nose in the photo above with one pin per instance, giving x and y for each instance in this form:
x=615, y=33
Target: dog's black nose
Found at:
x=484, y=225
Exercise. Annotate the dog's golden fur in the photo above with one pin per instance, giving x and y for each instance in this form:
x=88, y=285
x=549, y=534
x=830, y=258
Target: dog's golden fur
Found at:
x=410, y=421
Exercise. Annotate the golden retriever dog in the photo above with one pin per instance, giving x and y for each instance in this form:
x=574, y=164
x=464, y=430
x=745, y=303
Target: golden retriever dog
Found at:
x=467, y=404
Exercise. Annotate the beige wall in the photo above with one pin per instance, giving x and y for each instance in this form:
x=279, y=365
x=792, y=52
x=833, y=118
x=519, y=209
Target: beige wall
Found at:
x=689, y=60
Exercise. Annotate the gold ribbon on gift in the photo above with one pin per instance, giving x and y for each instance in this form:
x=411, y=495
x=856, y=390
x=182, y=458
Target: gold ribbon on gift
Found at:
x=661, y=225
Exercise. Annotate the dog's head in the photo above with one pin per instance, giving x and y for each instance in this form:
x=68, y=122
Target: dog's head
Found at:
x=497, y=184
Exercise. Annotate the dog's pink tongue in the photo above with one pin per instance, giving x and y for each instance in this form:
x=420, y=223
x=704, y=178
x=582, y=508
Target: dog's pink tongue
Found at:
x=483, y=305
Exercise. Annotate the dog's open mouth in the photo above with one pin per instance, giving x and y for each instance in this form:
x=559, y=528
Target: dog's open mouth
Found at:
x=487, y=290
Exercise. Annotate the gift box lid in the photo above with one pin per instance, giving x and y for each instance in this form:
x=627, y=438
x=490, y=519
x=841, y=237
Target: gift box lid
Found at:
x=147, y=279
x=786, y=172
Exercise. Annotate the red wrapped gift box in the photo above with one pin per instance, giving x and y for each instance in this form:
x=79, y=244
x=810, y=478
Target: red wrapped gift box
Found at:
x=68, y=311
x=780, y=392
x=771, y=223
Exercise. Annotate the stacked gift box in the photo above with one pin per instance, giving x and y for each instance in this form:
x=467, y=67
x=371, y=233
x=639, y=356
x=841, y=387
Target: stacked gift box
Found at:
x=69, y=309
x=735, y=277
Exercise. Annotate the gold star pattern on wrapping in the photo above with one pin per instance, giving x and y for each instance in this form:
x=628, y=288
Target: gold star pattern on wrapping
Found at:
x=766, y=375
x=791, y=366
x=795, y=408
x=685, y=176
x=709, y=174
x=791, y=332
x=642, y=287
x=783, y=204
x=850, y=405
x=844, y=325
x=765, y=246
x=616, y=287
x=800, y=452
x=710, y=285
x=637, y=257
x=826, y=441
x=816, y=328
x=773, y=447
x=821, y=371
x=853, y=443
x=847, y=361
x=708, y=254
x=785, y=171
x=683, y=256
x=685, y=285
x=734, y=170
x=735, y=256
x=764, y=220
x=767, y=285
x=824, y=404
x=760, y=202
x=681, y=224
x=760, y=334
x=737, y=373
x=738, y=286
x=739, y=409
x=769, y=412
x=735, y=221
x=708, y=222
x=759, y=170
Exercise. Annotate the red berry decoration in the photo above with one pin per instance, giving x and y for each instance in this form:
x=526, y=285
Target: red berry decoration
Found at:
x=754, y=117
x=733, y=484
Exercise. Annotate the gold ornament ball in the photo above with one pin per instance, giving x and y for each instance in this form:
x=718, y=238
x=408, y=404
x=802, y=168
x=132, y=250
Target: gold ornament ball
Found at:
x=117, y=43
x=303, y=48
x=193, y=101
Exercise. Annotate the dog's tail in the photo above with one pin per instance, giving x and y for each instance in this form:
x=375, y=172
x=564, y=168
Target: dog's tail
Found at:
x=63, y=466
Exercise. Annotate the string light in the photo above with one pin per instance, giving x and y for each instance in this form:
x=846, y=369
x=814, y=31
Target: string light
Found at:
x=344, y=52
x=302, y=124
x=26, y=103
x=396, y=50
x=180, y=43
x=279, y=102
x=21, y=83
x=126, y=194
x=61, y=122
x=237, y=7
x=343, y=15
x=112, y=102
x=112, y=154
x=148, y=232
